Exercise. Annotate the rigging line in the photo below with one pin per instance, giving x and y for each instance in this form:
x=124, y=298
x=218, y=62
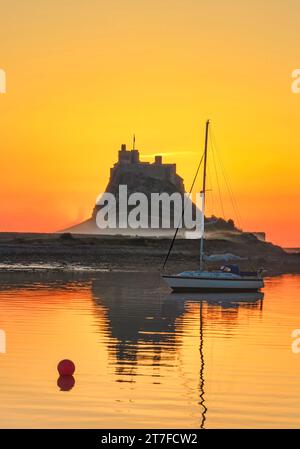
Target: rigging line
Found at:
x=215, y=201
x=182, y=214
x=228, y=185
x=211, y=190
x=217, y=177
x=232, y=197
x=231, y=194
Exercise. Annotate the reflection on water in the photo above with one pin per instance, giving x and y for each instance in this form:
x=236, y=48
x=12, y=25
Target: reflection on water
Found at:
x=141, y=326
x=65, y=383
x=145, y=357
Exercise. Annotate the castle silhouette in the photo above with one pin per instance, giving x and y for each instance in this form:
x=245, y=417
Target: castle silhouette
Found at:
x=129, y=162
x=138, y=176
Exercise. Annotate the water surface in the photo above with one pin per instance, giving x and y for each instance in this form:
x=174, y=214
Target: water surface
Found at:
x=145, y=358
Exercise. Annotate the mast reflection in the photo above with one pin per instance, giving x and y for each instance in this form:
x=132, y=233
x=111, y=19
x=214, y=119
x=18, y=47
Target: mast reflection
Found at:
x=215, y=301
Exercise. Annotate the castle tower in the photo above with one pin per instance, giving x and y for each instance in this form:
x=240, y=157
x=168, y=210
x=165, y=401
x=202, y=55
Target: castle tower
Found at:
x=135, y=156
x=124, y=155
x=128, y=157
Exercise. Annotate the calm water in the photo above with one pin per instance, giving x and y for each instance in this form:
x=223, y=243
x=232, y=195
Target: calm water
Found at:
x=146, y=359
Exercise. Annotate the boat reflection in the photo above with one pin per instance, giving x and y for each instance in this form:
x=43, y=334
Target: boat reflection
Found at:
x=224, y=299
x=143, y=327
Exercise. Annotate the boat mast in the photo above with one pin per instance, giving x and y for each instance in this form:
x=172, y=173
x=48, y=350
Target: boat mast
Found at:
x=203, y=192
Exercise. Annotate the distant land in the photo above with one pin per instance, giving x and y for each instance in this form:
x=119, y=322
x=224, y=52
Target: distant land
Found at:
x=80, y=253
x=292, y=250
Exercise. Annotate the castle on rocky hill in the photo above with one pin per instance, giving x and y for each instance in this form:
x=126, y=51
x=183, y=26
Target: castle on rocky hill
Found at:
x=138, y=176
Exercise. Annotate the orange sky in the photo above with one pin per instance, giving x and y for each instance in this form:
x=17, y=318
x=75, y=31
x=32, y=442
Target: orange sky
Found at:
x=83, y=76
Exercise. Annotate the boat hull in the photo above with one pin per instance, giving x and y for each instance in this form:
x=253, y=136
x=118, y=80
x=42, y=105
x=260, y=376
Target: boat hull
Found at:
x=226, y=297
x=192, y=284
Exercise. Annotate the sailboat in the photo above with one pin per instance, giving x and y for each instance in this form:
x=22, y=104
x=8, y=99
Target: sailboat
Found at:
x=228, y=277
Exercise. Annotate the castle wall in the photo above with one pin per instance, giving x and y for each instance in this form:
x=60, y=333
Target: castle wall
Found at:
x=129, y=163
x=165, y=172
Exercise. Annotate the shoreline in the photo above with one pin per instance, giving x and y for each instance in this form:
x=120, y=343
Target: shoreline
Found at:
x=68, y=252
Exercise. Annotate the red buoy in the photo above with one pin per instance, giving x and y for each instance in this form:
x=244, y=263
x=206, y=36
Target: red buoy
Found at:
x=66, y=367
